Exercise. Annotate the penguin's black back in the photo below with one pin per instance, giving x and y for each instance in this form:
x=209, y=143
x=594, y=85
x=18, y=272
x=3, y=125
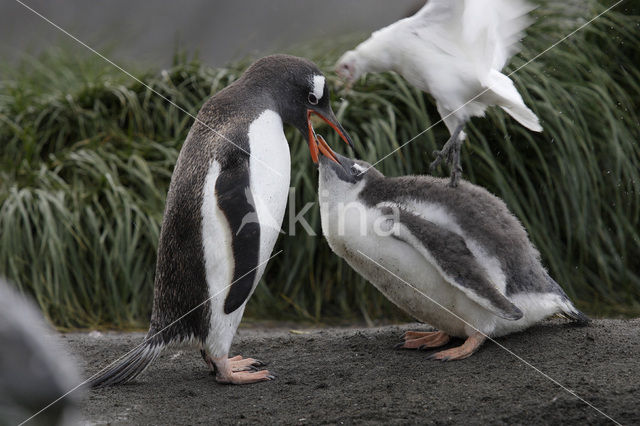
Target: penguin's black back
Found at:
x=180, y=280
x=220, y=132
x=482, y=216
x=180, y=306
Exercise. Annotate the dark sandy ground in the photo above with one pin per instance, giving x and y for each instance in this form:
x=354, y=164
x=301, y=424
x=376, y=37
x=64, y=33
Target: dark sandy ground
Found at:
x=354, y=376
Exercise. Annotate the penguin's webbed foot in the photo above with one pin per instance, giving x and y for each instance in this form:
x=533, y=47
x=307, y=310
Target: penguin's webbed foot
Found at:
x=238, y=370
x=463, y=351
x=423, y=339
x=238, y=363
x=245, y=377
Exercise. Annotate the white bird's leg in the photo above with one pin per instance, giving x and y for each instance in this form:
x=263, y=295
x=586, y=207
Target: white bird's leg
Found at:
x=450, y=151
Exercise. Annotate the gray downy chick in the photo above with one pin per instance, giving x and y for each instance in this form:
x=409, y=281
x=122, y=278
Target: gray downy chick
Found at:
x=456, y=259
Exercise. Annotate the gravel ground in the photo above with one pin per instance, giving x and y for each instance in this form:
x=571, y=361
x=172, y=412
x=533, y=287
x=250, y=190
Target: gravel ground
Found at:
x=354, y=376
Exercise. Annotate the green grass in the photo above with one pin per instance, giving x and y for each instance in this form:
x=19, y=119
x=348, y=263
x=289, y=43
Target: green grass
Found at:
x=86, y=156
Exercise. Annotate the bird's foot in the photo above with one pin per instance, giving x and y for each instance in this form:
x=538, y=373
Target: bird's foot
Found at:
x=450, y=152
x=456, y=168
x=245, y=364
x=463, y=351
x=440, y=155
x=239, y=370
x=245, y=377
x=423, y=340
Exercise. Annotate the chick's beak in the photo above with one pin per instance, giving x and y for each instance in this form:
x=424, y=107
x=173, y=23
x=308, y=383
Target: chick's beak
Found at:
x=318, y=144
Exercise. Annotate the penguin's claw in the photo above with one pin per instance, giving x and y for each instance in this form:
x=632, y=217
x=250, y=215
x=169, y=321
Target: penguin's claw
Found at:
x=245, y=364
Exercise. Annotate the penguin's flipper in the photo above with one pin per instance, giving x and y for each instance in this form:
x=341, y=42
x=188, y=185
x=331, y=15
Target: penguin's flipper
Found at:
x=449, y=253
x=235, y=200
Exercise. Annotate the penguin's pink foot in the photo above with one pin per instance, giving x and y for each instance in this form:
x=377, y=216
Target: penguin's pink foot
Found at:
x=463, y=351
x=408, y=335
x=422, y=340
x=233, y=370
x=238, y=363
x=245, y=364
x=244, y=377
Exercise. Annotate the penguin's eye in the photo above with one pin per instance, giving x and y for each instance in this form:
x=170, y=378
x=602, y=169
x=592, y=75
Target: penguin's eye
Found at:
x=357, y=170
x=313, y=100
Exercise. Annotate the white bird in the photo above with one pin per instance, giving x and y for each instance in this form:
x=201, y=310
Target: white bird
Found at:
x=454, y=50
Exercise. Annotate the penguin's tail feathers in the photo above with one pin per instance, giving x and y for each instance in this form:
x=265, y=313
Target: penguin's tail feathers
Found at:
x=574, y=314
x=567, y=309
x=130, y=366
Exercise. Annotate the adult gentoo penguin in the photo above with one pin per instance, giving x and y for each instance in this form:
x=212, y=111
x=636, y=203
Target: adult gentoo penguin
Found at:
x=475, y=272
x=234, y=164
x=454, y=50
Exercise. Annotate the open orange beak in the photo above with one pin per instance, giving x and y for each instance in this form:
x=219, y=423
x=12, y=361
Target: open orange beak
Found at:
x=318, y=144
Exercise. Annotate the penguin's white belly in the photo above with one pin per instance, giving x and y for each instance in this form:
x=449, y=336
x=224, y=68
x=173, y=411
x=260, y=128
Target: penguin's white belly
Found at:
x=218, y=261
x=269, y=173
x=420, y=290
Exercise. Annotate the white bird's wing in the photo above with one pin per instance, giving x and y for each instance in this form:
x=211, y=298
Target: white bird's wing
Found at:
x=449, y=253
x=440, y=10
x=486, y=32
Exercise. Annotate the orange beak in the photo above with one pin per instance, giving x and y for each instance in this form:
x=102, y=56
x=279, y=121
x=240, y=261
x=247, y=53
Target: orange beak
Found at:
x=325, y=150
x=318, y=144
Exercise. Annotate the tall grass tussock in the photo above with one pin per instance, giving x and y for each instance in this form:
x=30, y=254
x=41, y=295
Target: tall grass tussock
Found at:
x=86, y=157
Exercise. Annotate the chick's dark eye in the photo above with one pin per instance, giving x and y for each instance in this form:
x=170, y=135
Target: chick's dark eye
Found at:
x=354, y=170
x=312, y=99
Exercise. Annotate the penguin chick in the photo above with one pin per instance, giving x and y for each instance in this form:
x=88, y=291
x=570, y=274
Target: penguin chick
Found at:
x=456, y=259
x=223, y=212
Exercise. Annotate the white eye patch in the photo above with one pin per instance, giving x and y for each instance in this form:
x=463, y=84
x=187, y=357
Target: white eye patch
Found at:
x=318, y=86
x=358, y=168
